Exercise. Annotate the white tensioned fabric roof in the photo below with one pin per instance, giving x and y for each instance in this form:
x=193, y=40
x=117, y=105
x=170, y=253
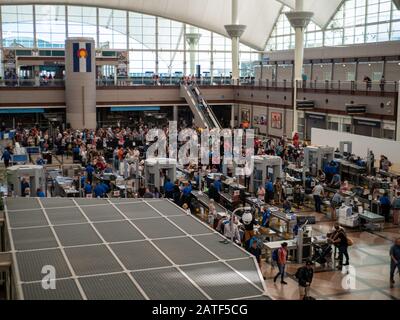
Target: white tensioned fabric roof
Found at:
x=258, y=15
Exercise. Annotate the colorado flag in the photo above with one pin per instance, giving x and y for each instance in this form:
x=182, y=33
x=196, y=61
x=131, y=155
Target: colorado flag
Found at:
x=82, y=53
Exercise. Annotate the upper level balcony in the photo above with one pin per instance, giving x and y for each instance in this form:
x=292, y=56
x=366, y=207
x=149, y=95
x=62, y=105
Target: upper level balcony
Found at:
x=336, y=86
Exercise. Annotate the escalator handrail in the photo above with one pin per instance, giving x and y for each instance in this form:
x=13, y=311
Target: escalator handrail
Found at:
x=209, y=110
x=205, y=117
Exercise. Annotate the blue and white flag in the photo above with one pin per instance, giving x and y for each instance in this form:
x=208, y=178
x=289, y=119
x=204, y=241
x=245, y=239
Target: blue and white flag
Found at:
x=82, y=53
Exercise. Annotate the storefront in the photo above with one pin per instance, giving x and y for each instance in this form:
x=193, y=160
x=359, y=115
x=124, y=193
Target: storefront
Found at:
x=111, y=116
x=314, y=120
x=28, y=117
x=368, y=128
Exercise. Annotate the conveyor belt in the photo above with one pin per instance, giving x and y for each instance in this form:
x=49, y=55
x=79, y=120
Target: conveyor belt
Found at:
x=205, y=201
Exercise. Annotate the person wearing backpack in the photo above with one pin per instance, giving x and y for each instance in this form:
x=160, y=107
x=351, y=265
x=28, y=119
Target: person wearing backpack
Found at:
x=281, y=258
x=305, y=275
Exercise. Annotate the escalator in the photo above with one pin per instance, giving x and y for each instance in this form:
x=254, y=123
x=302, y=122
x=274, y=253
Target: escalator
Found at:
x=204, y=117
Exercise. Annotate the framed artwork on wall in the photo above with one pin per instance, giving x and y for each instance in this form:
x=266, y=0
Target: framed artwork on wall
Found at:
x=276, y=120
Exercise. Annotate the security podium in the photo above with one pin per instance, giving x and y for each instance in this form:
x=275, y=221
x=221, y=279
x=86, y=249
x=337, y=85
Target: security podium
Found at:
x=33, y=174
x=155, y=168
x=265, y=167
x=316, y=157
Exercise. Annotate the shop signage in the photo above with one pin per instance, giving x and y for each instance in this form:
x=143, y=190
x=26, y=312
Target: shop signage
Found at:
x=368, y=123
x=316, y=117
x=305, y=104
x=356, y=108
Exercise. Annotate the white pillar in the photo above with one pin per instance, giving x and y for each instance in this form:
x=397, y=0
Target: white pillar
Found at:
x=235, y=31
x=398, y=115
x=192, y=39
x=235, y=59
x=175, y=113
x=235, y=12
x=298, y=71
x=235, y=43
x=233, y=116
x=299, y=5
x=192, y=59
x=299, y=20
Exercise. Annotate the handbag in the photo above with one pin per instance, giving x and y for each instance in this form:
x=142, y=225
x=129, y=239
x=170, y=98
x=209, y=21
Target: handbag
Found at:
x=350, y=242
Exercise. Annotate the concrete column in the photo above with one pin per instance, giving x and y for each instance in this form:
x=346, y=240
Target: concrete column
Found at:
x=35, y=45
x=398, y=115
x=80, y=82
x=192, y=39
x=235, y=31
x=175, y=113
x=233, y=115
x=299, y=20
x=212, y=59
x=157, y=57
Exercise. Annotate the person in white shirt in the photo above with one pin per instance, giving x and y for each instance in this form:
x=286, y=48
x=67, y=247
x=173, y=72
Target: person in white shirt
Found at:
x=231, y=229
x=318, y=193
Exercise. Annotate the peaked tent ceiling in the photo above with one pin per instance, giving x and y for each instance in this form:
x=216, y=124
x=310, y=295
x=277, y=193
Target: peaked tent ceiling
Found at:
x=258, y=15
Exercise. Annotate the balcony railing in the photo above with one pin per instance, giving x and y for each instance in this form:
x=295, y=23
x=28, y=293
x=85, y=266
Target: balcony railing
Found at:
x=335, y=85
x=20, y=82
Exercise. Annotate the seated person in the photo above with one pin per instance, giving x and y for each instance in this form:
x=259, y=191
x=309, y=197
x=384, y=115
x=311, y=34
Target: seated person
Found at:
x=287, y=207
x=336, y=181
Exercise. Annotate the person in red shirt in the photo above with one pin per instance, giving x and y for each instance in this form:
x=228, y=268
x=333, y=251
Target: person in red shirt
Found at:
x=296, y=140
x=282, y=258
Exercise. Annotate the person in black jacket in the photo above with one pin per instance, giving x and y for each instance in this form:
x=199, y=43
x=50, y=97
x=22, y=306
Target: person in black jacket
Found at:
x=213, y=193
x=340, y=240
x=256, y=251
x=305, y=276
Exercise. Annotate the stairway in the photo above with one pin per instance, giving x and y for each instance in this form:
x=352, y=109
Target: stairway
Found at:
x=204, y=117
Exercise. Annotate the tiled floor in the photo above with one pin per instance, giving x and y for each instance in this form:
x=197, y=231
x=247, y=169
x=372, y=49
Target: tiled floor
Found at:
x=369, y=258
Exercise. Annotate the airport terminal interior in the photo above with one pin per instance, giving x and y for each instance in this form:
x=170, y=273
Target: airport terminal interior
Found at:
x=200, y=150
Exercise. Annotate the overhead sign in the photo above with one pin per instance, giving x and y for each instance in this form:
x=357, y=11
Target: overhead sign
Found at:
x=368, y=123
x=316, y=117
x=356, y=108
x=134, y=108
x=305, y=104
